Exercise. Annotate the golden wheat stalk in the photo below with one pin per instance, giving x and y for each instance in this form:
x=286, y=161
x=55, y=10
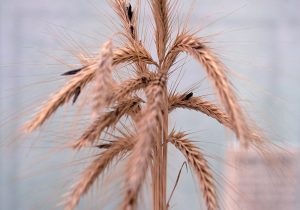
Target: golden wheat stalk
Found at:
x=199, y=164
x=147, y=134
x=113, y=100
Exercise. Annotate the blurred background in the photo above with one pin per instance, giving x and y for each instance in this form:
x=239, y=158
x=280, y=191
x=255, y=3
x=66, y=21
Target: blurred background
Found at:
x=257, y=39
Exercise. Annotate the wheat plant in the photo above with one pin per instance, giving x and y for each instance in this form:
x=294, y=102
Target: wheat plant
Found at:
x=145, y=143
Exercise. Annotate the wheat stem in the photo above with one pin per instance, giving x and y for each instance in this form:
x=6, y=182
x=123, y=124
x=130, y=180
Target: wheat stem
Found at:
x=147, y=137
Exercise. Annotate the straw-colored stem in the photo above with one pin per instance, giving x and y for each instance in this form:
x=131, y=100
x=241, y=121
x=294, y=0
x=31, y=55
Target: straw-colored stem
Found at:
x=148, y=128
x=165, y=152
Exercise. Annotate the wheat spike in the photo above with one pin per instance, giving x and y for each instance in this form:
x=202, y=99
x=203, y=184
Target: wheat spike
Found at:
x=103, y=80
x=199, y=104
x=216, y=72
x=104, y=121
x=160, y=10
x=95, y=169
x=199, y=164
x=81, y=79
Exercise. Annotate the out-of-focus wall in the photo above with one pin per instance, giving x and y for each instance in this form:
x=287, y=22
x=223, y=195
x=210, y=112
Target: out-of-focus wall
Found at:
x=258, y=39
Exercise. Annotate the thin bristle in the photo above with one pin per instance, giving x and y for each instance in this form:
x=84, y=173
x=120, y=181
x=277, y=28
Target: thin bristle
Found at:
x=199, y=164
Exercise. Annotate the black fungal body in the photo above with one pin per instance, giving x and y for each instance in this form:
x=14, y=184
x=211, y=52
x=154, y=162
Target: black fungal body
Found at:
x=76, y=94
x=188, y=96
x=103, y=146
x=132, y=29
x=72, y=72
x=129, y=12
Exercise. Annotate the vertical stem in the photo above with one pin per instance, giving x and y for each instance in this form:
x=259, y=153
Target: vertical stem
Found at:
x=165, y=150
x=159, y=168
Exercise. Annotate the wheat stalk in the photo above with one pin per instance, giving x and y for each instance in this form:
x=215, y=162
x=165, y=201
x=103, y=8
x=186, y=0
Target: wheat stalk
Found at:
x=147, y=132
x=149, y=135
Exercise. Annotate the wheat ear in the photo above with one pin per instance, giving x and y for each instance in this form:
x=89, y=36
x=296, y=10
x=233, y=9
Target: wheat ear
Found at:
x=217, y=74
x=146, y=139
x=160, y=10
x=199, y=104
x=128, y=17
x=104, y=121
x=213, y=111
x=103, y=84
x=80, y=80
x=93, y=171
x=133, y=54
x=200, y=166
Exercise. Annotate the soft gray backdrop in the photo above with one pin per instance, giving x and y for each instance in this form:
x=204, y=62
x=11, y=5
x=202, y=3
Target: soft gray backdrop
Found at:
x=257, y=39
